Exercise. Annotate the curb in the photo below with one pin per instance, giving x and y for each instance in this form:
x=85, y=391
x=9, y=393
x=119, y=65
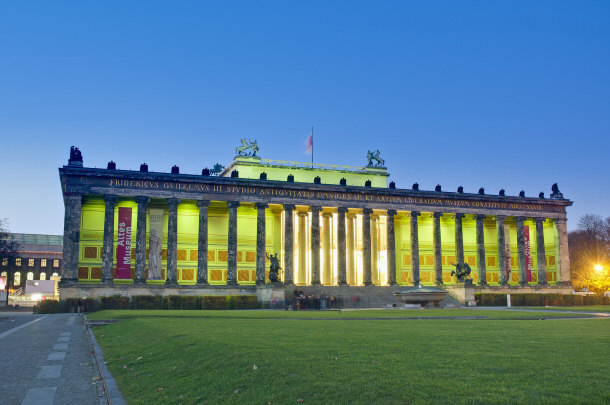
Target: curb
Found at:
x=113, y=395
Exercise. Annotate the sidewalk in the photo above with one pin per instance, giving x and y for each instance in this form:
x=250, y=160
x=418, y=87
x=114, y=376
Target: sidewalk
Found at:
x=47, y=359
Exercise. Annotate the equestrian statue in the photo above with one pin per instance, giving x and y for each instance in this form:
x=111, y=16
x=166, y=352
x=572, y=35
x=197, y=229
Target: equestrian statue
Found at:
x=243, y=149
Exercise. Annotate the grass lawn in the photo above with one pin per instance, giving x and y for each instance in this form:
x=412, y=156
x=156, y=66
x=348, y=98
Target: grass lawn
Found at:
x=208, y=357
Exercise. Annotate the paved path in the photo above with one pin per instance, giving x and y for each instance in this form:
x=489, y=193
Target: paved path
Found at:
x=47, y=359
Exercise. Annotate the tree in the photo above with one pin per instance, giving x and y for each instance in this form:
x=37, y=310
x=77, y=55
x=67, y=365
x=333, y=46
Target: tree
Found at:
x=590, y=254
x=8, y=251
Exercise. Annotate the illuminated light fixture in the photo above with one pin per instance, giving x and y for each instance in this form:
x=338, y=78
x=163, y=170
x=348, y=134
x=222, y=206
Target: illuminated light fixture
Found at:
x=599, y=268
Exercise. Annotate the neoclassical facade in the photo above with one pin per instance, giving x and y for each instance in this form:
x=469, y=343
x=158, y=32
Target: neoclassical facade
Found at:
x=331, y=226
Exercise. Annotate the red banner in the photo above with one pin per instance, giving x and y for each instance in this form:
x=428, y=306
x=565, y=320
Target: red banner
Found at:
x=123, y=249
x=528, y=257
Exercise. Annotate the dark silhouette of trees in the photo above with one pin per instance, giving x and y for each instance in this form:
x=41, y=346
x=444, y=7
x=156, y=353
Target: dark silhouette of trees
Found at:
x=590, y=254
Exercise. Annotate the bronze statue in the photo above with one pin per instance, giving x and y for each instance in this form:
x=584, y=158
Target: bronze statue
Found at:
x=75, y=154
x=274, y=268
x=462, y=272
x=370, y=156
x=242, y=150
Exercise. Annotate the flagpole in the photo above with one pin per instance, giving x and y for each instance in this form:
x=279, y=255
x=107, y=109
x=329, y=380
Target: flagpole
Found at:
x=312, y=147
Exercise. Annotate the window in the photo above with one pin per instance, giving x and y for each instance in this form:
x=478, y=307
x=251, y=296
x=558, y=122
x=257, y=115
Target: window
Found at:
x=5, y=261
x=30, y=276
x=56, y=263
x=18, y=262
x=54, y=275
x=43, y=262
x=43, y=276
x=17, y=279
x=30, y=262
x=3, y=274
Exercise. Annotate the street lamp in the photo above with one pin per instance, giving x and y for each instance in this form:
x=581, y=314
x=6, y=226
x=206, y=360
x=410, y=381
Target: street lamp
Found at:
x=599, y=268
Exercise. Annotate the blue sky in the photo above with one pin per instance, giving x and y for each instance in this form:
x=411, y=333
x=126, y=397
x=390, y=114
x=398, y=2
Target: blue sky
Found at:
x=512, y=95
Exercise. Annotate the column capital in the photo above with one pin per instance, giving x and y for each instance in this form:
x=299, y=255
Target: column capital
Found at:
x=437, y=214
x=366, y=211
x=391, y=213
x=110, y=198
x=327, y=215
x=143, y=200
x=289, y=207
x=539, y=219
x=173, y=202
x=315, y=209
x=519, y=219
x=459, y=215
x=350, y=215
x=203, y=203
x=480, y=217
x=232, y=204
x=73, y=196
x=261, y=206
x=500, y=218
x=562, y=221
x=302, y=213
x=415, y=213
x=342, y=210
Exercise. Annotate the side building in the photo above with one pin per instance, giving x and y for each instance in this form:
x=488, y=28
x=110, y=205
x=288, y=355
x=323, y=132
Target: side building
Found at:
x=336, y=230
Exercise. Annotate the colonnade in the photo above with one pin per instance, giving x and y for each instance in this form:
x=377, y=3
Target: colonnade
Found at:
x=320, y=245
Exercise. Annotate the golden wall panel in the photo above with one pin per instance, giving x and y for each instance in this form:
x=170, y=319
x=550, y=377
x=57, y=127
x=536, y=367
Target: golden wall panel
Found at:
x=83, y=273
x=181, y=254
x=96, y=272
x=491, y=261
x=223, y=255
x=188, y=274
x=90, y=252
x=239, y=256
x=211, y=255
x=193, y=254
x=429, y=260
x=216, y=275
x=243, y=275
x=472, y=261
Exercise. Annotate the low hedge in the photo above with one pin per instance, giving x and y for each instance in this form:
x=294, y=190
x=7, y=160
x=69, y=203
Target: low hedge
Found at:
x=190, y=302
x=536, y=300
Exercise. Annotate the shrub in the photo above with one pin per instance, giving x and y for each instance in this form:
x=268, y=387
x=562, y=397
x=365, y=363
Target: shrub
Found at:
x=148, y=302
x=213, y=302
x=182, y=302
x=245, y=302
x=114, y=302
x=490, y=300
x=46, y=307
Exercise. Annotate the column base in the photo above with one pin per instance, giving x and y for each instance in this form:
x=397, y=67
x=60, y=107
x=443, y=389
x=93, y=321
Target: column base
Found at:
x=393, y=283
x=484, y=284
x=139, y=282
x=231, y=283
x=342, y=283
x=368, y=283
x=107, y=281
x=202, y=283
x=543, y=283
x=523, y=283
x=171, y=283
x=316, y=283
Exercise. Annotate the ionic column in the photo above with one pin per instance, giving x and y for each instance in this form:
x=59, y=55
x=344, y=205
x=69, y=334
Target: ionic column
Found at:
x=391, y=248
x=564, y=253
x=481, y=250
x=366, y=245
x=260, y=242
x=521, y=250
x=501, y=249
x=341, y=269
x=302, y=269
x=459, y=239
x=232, y=255
x=315, y=244
x=108, y=248
x=436, y=242
x=73, y=205
x=350, y=264
x=172, y=242
x=414, y=248
x=540, y=252
x=374, y=250
x=326, y=218
x=202, y=243
x=140, y=273
x=288, y=244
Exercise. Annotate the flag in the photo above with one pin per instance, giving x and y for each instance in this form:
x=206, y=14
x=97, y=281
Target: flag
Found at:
x=310, y=142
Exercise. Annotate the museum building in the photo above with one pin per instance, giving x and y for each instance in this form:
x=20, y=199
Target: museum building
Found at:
x=332, y=226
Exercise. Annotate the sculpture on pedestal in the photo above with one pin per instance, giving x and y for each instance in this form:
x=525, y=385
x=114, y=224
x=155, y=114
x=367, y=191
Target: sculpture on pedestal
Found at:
x=274, y=268
x=462, y=272
x=370, y=156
